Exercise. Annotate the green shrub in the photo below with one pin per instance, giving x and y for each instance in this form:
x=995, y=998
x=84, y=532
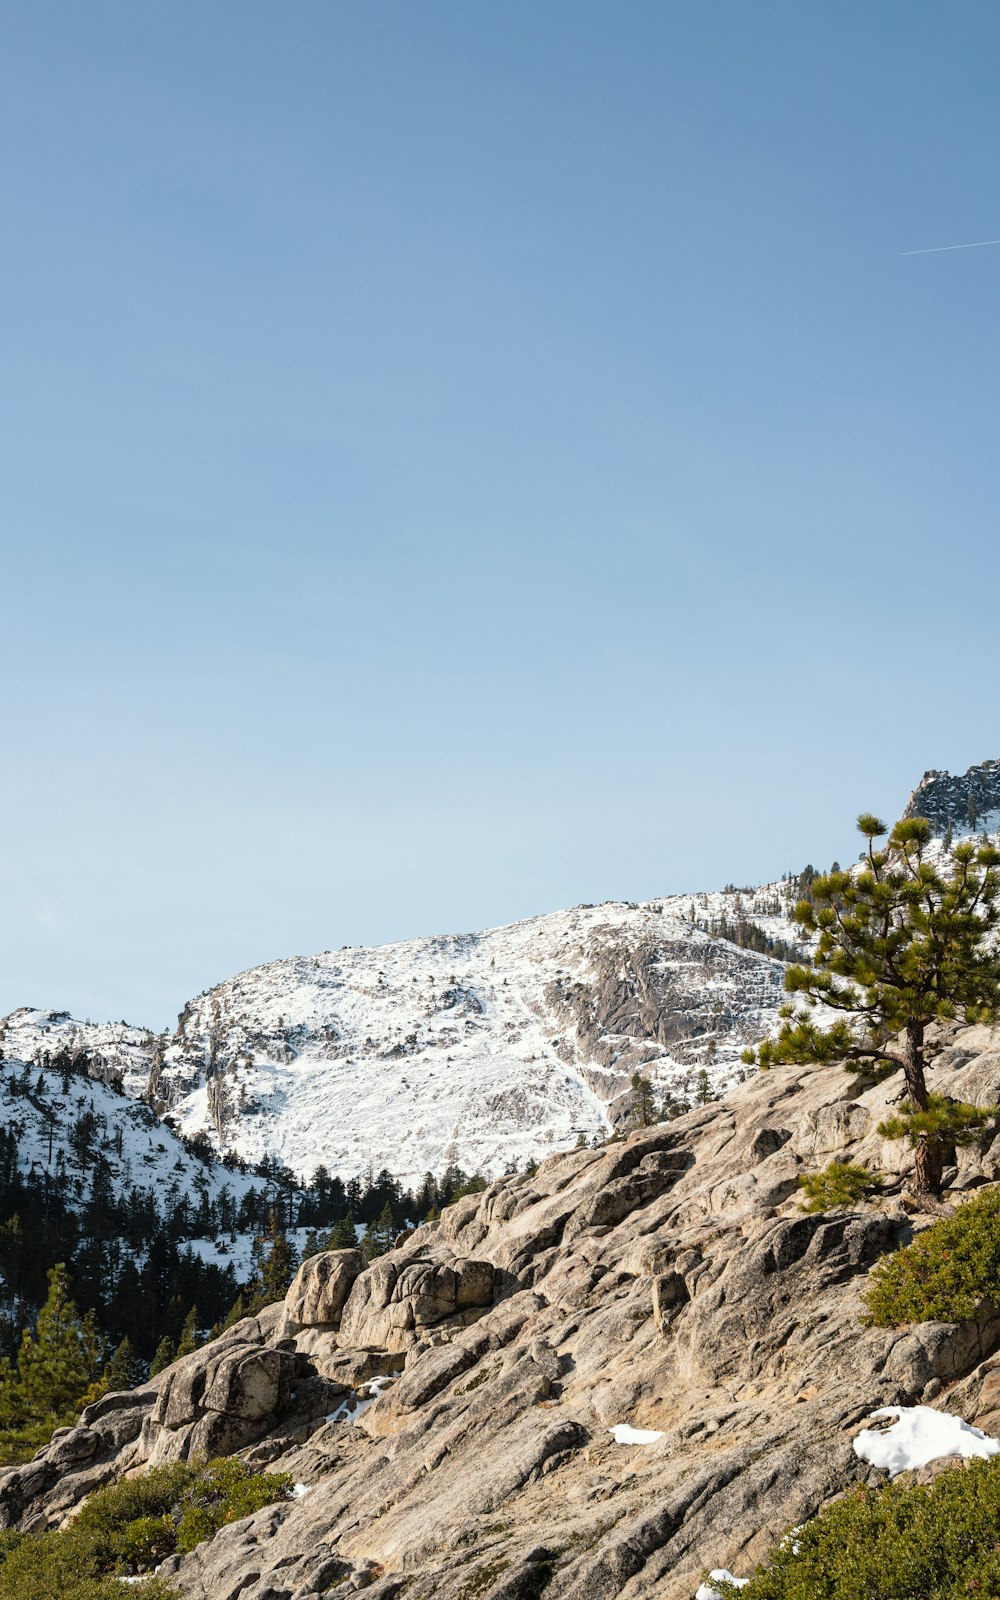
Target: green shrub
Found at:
x=934, y=1542
x=142, y=1544
x=151, y=1494
x=129, y=1527
x=66, y=1565
x=945, y=1272
x=224, y=1492
x=839, y=1184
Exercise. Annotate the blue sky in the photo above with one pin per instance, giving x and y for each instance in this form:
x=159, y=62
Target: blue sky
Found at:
x=463, y=460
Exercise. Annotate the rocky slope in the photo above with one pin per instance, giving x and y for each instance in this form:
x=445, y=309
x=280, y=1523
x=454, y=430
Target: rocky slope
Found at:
x=667, y=1281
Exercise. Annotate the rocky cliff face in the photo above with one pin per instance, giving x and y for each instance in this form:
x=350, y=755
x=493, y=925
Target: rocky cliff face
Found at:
x=967, y=803
x=448, y=1409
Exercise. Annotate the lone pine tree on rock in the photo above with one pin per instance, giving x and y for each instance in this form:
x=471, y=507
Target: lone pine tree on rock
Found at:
x=642, y=1107
x=900, y=943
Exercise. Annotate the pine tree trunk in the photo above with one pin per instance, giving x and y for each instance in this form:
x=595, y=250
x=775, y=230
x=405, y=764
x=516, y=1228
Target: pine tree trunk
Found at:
x=928, y=1162
x=928, y=1165
x=913, y=1066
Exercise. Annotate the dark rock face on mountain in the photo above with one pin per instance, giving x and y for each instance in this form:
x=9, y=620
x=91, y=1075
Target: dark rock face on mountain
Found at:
x=448, y=1410
x=962, y=804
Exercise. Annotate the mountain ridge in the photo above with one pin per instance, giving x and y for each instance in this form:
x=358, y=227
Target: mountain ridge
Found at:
x=489, y=1048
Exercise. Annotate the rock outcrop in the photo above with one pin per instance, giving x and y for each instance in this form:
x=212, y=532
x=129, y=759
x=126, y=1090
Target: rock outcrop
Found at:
x=962, y=802
x=320, y=1289
x=448, y=1409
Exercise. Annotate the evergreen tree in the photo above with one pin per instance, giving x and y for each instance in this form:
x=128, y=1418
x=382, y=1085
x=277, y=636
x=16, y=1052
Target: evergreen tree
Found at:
x=236, y=1313
x=54, y=1366
x=901, y=943
x=190, y=1339
x=163, y=1356
x=12, y=1413
x=379, y=1235
x=124, y=1370
x=95, y=1345
x=642, y=1109
x=342, y=1235
x=276, y=1265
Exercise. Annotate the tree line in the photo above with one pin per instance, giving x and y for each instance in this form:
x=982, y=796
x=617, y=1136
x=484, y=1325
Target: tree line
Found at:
x=127, y=1246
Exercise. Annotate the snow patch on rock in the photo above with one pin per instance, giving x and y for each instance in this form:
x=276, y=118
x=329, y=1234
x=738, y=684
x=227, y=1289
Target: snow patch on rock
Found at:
x=919, y=1435
x=624, y=1433
x=705, y=1591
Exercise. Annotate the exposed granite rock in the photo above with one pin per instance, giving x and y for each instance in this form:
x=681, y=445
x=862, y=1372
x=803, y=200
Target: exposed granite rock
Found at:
x=320, y=1289
x=453, y=1432
x=398, y=1302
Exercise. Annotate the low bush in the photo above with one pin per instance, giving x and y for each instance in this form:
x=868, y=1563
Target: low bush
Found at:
x=126, y=1529
x=894, y=1542
x=944, y=1274
x=224, y=1492
x=841, y=1183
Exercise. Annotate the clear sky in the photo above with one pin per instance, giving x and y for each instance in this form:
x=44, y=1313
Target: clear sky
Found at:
x=460, y=460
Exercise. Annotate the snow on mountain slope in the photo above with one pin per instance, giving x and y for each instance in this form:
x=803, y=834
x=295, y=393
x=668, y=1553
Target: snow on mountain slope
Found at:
x=965, y=803
x=483, y=1049
x=113, y=1052
x=61, y=1121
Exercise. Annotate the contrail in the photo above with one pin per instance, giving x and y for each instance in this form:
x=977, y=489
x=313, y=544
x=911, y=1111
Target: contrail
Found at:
x=936, y=249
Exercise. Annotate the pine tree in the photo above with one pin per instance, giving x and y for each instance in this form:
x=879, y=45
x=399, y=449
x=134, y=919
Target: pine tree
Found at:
x=163, y=1356
x=190, y=1339
x=901, y=943
x=379, y=1235
x=124, y=1370
x=95, y=1345
x=277, y=1263
x=236, y=1313
x=54, y=1367
x=642, y=1109
x=343, y=1235
x=12, y=1410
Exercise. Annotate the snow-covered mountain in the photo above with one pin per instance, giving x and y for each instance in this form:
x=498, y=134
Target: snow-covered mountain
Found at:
x=113, y=1052
x=80, y=1161
x=61, y=1122
x=483, y=1049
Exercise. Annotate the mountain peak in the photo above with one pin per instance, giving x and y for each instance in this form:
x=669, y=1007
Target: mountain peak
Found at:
x=969, y=803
